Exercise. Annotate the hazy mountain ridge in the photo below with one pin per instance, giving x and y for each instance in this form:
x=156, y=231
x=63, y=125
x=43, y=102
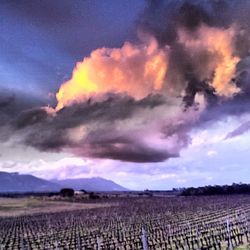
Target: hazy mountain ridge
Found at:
x=15, y=182
x=91, y=184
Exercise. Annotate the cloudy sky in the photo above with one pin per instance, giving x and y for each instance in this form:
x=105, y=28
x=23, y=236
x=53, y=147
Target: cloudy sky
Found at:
x=150, y=94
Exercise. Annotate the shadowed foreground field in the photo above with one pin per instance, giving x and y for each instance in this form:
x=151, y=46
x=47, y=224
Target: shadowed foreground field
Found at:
x=10, y=207
x=218, y=222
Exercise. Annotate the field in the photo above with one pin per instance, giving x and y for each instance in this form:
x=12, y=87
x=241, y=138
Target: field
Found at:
x=29, y=206
x=216, y=222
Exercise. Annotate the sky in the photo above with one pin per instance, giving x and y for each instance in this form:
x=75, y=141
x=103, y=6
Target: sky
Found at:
x=149, y=94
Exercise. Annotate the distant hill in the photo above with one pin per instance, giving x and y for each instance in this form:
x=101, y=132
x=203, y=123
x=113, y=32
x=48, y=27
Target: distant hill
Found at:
x=15, y=182
x=22, y=183
x=91, y=184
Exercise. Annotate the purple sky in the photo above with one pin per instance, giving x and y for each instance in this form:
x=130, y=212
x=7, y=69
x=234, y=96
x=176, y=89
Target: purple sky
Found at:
x=186, y=126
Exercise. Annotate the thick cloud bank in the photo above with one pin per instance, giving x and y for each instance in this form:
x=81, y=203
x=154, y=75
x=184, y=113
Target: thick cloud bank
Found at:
x=139, y=103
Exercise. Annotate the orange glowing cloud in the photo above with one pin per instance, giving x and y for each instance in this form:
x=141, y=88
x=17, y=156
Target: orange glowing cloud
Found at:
x=219, y=44
x=137, y=70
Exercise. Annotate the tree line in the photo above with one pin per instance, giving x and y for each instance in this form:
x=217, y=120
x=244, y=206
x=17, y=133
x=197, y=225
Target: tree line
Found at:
x=218, y=190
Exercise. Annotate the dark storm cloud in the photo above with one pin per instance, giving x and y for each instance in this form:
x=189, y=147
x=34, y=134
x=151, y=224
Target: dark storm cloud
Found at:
x=112, y=145
x=164, y=19
x=5, y=101
x=13, y=103
x=30, y=117
x=236, y=106
x=117, y=126
x=219, y=110
x=103, y=138
x=129, y=153
x=243, y=128
x=112, y=108
x=160, y=18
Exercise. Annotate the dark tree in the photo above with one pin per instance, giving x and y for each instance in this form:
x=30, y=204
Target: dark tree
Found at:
x=93, y=196
x=67, y=192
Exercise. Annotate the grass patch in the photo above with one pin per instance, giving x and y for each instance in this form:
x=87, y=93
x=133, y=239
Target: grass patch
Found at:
x=246, y=247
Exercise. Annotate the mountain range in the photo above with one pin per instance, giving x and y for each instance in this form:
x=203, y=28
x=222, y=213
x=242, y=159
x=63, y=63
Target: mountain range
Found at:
x=90, y=184
x=15, y=182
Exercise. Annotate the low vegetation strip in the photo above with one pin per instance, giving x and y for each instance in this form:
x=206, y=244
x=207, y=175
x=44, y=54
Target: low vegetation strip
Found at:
x=217, y=190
